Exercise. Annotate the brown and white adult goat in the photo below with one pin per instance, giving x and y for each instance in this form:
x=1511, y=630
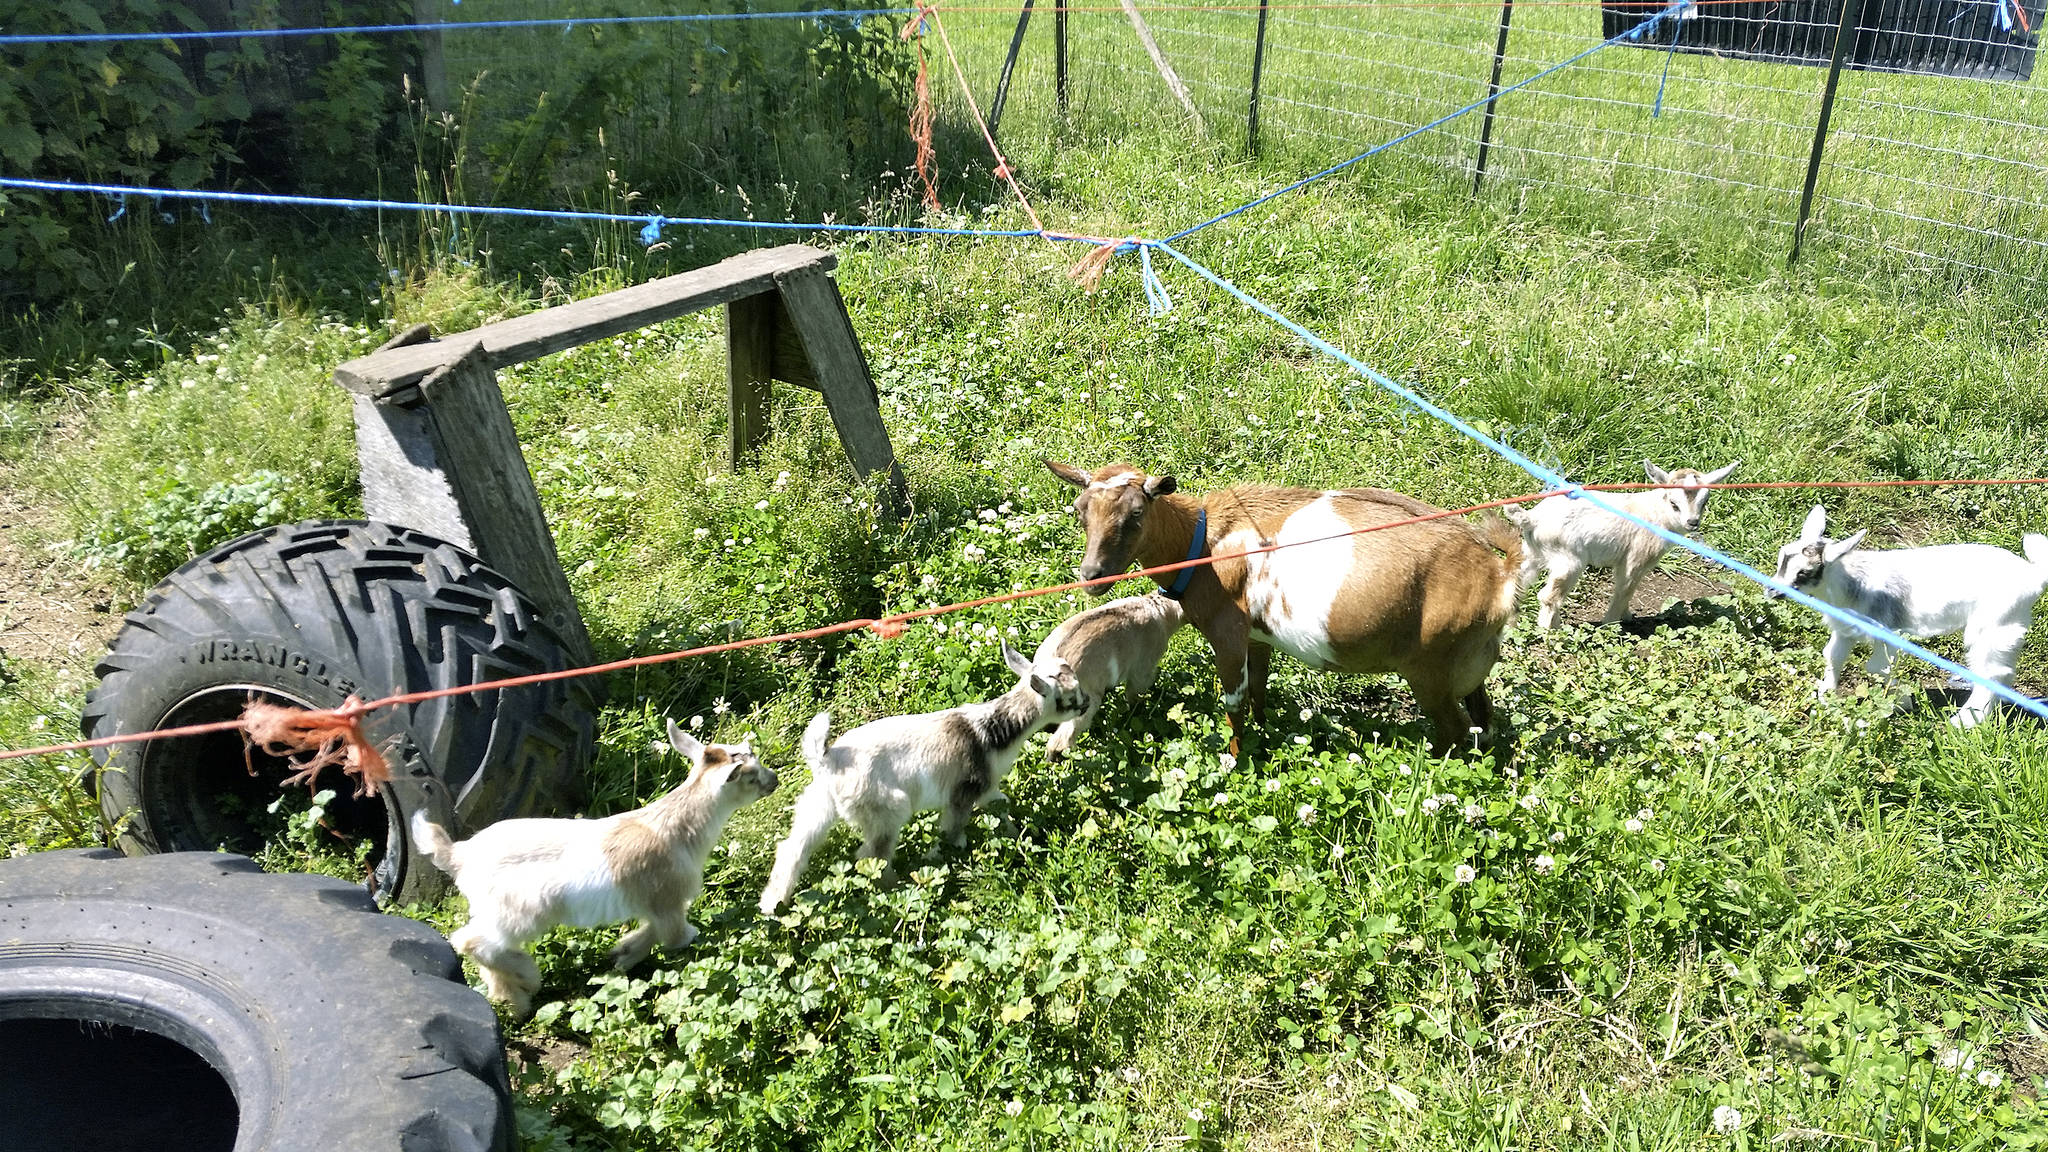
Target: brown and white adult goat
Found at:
x=1428, y=601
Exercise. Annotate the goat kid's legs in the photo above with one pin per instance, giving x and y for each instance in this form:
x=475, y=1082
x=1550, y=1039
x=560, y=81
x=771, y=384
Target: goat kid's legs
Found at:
x=1563, y=579
x=670, y=930
x=815, y=816
x=1626, y=577
x=510, y=975
x=1992, y=654
x=1835, y=654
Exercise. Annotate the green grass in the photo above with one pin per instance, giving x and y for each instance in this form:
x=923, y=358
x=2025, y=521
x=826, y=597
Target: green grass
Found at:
x=1750, y=901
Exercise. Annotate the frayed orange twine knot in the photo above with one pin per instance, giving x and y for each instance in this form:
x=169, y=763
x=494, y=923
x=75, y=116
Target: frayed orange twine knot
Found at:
x=889, y=629
x=921, y=116
x=325, y=738
x=1091, y=267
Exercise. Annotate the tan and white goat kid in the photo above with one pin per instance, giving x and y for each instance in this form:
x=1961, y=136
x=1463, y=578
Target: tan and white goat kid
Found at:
x=879, y=775
x=1120, y=642
x=1568, y=536
x=524, y=877
x=1984, y=592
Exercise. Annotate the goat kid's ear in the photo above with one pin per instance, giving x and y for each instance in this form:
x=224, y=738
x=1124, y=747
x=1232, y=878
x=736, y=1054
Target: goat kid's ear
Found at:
x=691, y=747
x=1841, y=548
x=1816, y=525
x=1068, y=472
x=1014, y=660
x=1156, y=486
x=1657, y=475
x=1720, y=474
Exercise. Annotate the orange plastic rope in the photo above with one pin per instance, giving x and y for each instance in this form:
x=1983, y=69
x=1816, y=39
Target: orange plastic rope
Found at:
x=893, y=625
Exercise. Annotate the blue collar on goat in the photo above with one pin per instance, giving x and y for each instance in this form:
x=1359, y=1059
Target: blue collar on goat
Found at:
x=1197, y=548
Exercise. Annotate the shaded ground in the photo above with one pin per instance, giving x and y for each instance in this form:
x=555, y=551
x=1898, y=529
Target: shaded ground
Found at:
x=50, y=611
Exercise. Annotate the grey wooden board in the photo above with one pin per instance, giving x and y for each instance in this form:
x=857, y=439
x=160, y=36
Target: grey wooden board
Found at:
x=750, y=324
x=478, y=451
x=568, y=325
x=819, y=316
x=403, y=482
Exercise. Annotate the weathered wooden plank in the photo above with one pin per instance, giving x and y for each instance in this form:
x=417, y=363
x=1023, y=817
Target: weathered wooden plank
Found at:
x=568, y=325
x=749, y=366
x=792, y=363
x=478, y=451
x=403, y=482
x=819, y=316
x=1173, y=81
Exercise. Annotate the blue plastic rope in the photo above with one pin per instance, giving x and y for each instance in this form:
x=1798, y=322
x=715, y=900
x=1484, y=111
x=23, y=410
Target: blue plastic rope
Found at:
x=1657, y=108
x=1870, y=628
x=1635, y=33
x=856, y=14
x=649, y=233
x=1157, y=302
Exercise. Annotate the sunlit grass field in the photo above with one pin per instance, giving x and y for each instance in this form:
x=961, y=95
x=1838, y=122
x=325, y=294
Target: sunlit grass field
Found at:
x=1699, y=910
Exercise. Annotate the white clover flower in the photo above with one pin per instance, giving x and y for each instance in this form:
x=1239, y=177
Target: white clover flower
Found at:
x=1276, y=945
x=1430, y=804
x=1532, y=802
x=1473, y=814
x=1353, y=757
x=1315, y=781
x=1226, y=761
x=1131, y=1074
x=1543, y=864
x=1726, y=1119
x=1990, y=1078
x=1301, y=740
x=987, y=513
x=760, y=505
x=1645, y=815
x=1308, y=714
x=1336, y=851
x=1464, y=874
x=1407, y=771
x=1177, y=776
x=696, y=721
x=1951, y=1058
x=1557, y=837
x=972, y=552
x=1220, y=799
x=719, y=707
x=781, y=479
x=1400, y=811
x=1306, y=813
x=1657, y=866
x=1196, y=1115
x=1272, y=785
x=1632, y=825
x=701, y=533
x=1014, y=1108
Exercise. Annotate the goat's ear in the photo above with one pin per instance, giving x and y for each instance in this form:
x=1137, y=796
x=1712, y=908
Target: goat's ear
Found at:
x=1013, y=659
x=1841, y=548
x=691, y=747
x=1657, y=475
x=1161, y=485
x=1816, y=525
x=1069, y=473
x=1720, y=474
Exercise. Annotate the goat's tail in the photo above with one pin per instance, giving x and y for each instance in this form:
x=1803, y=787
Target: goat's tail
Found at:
x=815, y=736
x=433, y=840
x=2037, y=551
x=1507, y=538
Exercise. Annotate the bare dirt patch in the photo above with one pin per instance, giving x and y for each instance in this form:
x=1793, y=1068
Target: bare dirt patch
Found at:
x=1664, y=597
x=51, y=611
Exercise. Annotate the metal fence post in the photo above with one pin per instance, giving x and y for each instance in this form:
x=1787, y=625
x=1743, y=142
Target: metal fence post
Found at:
x=995, y=109
x=1845, y=35
x=1059, y=55
x=1251, y=117
x=1500, y=51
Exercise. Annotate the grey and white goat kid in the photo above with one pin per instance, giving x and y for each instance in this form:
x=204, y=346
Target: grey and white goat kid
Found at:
x=1120, y=642
x=879, y=775
x=524, y=877
x=1983, y=592
x=1568, y=536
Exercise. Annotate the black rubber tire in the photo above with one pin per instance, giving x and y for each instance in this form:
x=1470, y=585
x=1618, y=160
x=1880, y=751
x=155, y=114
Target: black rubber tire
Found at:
x=309, y=614
x=334, y=1025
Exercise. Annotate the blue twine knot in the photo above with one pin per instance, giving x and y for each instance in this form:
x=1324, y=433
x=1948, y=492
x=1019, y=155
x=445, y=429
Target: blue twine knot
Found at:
x=121, y=211
x=651, y=235
x=1157, y=302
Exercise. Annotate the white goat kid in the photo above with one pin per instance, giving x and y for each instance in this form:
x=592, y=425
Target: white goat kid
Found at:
x=879, y=775
x=1568, y=536
x=1986, y=593
x=1120, y=642
x=524, y=877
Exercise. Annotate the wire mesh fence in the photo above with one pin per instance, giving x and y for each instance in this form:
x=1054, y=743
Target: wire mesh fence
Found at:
x=1935, y=163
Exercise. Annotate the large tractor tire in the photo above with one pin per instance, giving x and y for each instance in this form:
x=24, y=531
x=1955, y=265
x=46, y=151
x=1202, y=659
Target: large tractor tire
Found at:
x=310, y=614
x=191, y=1003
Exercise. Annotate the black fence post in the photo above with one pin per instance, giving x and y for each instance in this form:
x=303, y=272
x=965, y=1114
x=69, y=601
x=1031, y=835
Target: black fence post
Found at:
x=995, y=109
x=1251, y=116
x=1845, y=35
x=1059, y=55
x=1500, y=51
